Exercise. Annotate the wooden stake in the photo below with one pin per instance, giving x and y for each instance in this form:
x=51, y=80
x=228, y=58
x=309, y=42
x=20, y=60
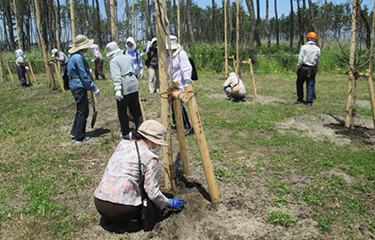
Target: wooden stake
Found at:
x=202, y=145
x=349, y=107
x=178, y=22
x=10, y=73
x=234, y=63
x=170, y=181
x=72, y=19
x=2, y=71
x=42, y=42
x=113, y=22
x=53, y=77
x=180, y=131
x=252, y=79
x=371, y=93
x=58, y=76
x=226, y=39
x=140, y=105
x=238, y=71
x=31, y=70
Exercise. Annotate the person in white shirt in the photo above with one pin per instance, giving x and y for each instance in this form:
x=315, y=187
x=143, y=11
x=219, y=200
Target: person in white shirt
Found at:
x=308, y=63
x=234, y=88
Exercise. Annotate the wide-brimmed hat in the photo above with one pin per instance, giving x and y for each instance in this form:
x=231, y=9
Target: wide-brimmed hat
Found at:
x=81, y=42
x=174, y=43
x=153, y=40
x=54, y=51
x=112, y=48
x=153, y=131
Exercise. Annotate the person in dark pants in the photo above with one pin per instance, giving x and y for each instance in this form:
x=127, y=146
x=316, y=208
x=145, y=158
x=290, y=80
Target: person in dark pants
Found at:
x=152, y=65
x=21, y=67
x=98, y=60
x=126, y=88
x=308, y=63
x=80, y=82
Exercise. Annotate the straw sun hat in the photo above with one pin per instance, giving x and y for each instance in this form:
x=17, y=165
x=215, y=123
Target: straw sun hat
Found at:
x=112, y=48
x=153, y=131
x=81, y=42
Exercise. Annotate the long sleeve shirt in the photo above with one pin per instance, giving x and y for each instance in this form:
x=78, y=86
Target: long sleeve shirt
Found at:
x=62, y=58
x=309, y=55
x=232, y=81
x=78, y=69
x=121, y=179
x=136, y=60
x=120, y=66
x=181, y=68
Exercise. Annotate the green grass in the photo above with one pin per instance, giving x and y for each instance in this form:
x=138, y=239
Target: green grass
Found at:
x=52, y=181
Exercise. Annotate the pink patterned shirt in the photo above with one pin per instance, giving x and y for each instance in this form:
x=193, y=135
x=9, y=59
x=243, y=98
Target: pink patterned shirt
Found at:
x=120, y=182
x=97, y=54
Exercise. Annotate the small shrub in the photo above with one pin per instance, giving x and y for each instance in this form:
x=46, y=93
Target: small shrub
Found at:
x=281, y=218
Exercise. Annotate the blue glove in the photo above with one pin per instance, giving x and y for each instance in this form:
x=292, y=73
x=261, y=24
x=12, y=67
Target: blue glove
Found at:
x=176, y=203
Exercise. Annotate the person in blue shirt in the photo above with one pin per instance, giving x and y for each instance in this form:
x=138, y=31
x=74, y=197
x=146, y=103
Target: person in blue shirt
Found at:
x=80, y=82
x=131, y=50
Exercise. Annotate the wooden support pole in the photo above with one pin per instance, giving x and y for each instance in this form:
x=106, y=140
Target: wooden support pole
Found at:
x=113, y=22
x=238, y=70
x=349, y=107
x=42, y=41
x=31, y=70
x=178, y=22
x=53, y=77
x=2, y=71
x=141, y=106
x=234, y=63
x=202, y=145
x=58, y=76
x=10, y=72
x=253, y=79
x=72, y=20
x=371, y=93
x=226, y=39
x=170, y=180
x=180, y=131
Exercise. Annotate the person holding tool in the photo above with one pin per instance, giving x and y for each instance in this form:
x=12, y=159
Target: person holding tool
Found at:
x=79, y=83
x=126, y=88
x=308, y=63
x=118, y=196
x=63, y=60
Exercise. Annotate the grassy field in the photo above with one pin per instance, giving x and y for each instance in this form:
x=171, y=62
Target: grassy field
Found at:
x=298, y=186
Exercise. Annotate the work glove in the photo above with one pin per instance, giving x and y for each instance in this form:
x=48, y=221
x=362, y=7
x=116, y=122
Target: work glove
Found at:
x=141, y=74
x=97, y=92
x=297, y=71
x=176, y=203
x=92, y=60
x=118, y=95
x=27, y=68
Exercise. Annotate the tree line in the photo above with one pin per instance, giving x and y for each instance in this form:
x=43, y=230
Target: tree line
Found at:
x=137, y=18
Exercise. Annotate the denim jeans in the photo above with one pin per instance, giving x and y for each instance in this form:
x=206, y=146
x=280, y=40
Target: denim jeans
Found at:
x=132, y=101
x=310, y=84
x=230, y=96
x=80, y=119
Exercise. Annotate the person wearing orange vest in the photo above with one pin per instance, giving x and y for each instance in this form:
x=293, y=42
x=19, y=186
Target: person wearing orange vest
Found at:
x=308, y=63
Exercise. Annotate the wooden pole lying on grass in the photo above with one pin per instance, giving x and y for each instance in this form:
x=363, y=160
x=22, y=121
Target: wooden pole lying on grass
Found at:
x=10, y=72
x=31, y=70
x=180, y=126
x=170, y=178
x=202, y=145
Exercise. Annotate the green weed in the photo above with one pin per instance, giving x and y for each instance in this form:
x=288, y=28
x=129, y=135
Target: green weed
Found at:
x=281, y=218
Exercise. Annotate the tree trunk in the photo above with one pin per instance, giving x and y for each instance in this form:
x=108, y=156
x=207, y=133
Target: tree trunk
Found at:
x=213, y=26
x=99, y=32
x=60, y=46
x=189, y=21
x=291, y=27
x=312, y=17
x=149, y=30
x=8, y=15
x=4, y=20
x=127, y=18
x=324, y=25
x=28, y=28
x=267, y=29
x=277, y=24
x=17, y=25
x=300, y=41
x=257, y=37
x=72, y=20
x=250, y=6
x=367, y=26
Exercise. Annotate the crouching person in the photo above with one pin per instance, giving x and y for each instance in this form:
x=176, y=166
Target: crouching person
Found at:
x=234, y=88
x=118, y=196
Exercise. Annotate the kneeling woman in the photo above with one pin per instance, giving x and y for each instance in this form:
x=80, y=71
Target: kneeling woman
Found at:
x=118, y=196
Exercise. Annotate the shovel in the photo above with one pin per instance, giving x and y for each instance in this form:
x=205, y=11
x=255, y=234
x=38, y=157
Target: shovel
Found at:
x=94, y=101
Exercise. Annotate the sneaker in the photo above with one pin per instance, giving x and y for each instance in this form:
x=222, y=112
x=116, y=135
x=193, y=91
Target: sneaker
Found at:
x=300, y=102
x=308, y=103
x=72, y=136
x=189, y=131
x=127, y=136
x=85, y=140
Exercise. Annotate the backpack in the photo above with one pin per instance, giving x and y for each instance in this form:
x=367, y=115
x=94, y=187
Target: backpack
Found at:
x=194, y=74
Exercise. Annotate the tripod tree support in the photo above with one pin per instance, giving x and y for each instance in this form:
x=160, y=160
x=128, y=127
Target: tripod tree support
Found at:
x=202, y=145
x=31, y=70
x=10, y=72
